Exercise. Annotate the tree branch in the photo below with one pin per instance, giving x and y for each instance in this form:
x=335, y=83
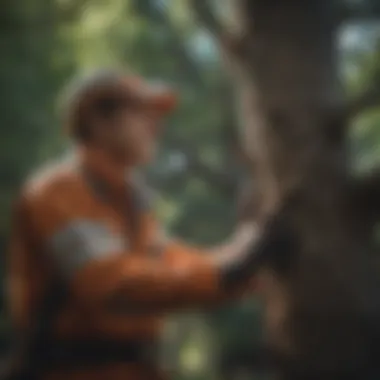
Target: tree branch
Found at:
x=207, y=18
x=248, y=201
x=225, y=180
x=234, y=44
x=159, y=15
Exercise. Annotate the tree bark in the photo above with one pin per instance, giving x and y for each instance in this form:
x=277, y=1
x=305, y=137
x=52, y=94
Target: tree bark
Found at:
x=321, y=310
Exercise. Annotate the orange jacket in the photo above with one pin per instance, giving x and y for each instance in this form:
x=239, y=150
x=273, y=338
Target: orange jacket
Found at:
x=121, y=281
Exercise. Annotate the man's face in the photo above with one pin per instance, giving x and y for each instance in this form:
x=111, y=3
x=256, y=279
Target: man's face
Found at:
x=129, y=135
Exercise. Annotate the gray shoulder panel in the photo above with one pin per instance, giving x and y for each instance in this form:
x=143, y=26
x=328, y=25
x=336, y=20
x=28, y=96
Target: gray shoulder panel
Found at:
x=82, y=241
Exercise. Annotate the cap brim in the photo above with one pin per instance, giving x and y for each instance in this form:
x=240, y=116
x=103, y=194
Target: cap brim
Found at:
x=161, y=98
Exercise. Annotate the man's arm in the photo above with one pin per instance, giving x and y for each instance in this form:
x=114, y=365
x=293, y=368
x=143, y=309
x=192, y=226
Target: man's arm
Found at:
x=100, y=271
x=181, y=277
x=222, y=255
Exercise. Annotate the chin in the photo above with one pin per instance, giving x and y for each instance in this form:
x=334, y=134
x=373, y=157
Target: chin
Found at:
x=146, y=160
x=141, y=160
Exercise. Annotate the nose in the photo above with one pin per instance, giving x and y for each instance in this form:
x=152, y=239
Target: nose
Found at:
x=153, y=124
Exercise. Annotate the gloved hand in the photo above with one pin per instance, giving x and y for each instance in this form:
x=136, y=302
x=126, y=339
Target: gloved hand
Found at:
x=274, y=243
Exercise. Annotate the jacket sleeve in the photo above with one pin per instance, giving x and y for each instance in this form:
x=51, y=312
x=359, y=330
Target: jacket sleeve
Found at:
x=181, y=277
x=101, y=270
x=186, y=254
x=132, y=281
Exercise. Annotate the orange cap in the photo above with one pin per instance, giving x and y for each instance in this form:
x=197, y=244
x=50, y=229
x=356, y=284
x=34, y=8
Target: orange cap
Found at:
x=86, y=95
x=153, y=94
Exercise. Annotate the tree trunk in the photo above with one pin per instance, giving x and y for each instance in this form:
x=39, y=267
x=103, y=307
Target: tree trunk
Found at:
x=320, y=307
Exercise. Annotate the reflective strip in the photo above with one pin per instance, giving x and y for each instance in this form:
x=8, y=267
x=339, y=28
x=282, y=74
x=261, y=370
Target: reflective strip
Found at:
x=81, y=242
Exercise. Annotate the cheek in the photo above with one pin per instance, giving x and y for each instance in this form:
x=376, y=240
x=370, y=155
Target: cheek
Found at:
x=140, y=135
x=147, y=129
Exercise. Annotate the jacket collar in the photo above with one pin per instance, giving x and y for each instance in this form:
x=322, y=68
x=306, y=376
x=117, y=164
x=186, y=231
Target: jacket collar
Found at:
x=113, y=175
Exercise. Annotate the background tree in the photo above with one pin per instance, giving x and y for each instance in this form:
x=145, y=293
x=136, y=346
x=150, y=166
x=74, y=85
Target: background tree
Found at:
x=321, y=307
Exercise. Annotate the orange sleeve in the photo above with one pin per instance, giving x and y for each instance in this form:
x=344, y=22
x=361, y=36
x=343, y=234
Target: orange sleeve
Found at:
x=185, y=254
x=100, y=271
x=171, y=281
x=184, y=277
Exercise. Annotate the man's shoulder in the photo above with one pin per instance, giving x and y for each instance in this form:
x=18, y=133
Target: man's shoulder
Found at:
x=54, y=180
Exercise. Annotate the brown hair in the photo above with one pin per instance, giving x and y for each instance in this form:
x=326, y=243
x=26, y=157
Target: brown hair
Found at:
x=98, y=95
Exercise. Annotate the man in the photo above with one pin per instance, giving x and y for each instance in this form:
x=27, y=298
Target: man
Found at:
x=87, y=225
